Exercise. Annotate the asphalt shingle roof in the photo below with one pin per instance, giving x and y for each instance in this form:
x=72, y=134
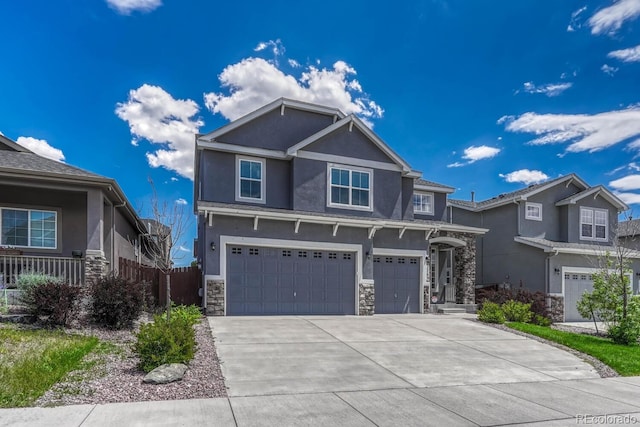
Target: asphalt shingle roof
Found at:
x=420, y=181
x=27, y=161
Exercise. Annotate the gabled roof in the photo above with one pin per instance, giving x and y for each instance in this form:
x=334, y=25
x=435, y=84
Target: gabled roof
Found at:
x=352, y=120
x=12, y=145
x=21, y=163
x=597, y=191
x=572, y=248
x=423, y=184
x=521, y=194
x=281, y=103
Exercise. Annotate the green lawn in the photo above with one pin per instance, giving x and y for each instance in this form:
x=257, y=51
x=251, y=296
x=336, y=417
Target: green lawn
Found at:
x=623, y=359
x=31, y=361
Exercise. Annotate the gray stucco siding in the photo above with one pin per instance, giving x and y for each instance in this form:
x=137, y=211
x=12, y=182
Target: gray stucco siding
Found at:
x=277, y=132
x=310, y=191
x=550, y=225
x=567, y=261
x=280, y=230
x=573, y=219
x=354, y=143
x=71, y=208
x=125, y=236
x=218, y=180
x=439, y=208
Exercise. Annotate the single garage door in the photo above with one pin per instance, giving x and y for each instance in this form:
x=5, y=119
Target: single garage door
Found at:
x=289, y=281
x=397, y=284
x=575, y=284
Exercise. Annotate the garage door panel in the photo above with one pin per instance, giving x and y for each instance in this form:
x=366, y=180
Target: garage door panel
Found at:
x=397, y=284
x=289, y=281
x=575, y=284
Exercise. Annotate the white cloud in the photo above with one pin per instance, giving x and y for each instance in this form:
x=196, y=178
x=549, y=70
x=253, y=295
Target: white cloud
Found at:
x=583, y=132
x=575, y=21
x=629, y=182
x=548, y=89
x=474, y=153
x=174, y=179
x=277, y=48
x=181, y=201
x=293, y=63
x=184, y=249
x=254, y=82
x=631, y=54
x=628, y=198
x=610, y=19
x=125, y=7
x=608, y=69
x=41, y=147
x=156, y=116
x=525, y=176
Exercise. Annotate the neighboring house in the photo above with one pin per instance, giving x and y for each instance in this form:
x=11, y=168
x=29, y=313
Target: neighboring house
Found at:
x=629, y=233
x=304, y=210
x=61, y=220
x=548, y=237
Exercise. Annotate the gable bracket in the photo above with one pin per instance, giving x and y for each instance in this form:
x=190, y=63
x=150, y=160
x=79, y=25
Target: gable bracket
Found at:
x=335, y=228
x=282, y=110
x=428, y=233
x=351, y=126
x=210, y=214
x=335, y=118
x=372, y=232
x=297, y=226
x=255, y=223
x=595, y=196
x=569, y=183
x=401, y=233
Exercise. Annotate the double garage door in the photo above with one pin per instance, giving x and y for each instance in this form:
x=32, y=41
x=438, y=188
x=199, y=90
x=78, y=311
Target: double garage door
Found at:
x=264, y=281
x=270, y=281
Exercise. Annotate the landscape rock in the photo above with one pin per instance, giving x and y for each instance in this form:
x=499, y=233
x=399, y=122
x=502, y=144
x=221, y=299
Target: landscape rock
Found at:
x=166, y=373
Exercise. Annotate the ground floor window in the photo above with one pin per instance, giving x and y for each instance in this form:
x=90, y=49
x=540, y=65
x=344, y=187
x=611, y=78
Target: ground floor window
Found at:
x=28, y=228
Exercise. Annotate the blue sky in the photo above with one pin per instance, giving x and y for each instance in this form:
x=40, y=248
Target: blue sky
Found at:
x=483, y=96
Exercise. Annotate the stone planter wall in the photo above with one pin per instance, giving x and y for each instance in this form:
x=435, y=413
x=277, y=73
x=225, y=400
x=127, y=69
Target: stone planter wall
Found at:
x=366, y=292
x=555, y=304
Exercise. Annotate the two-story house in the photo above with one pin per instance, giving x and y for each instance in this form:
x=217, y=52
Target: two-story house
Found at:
x=305, y=210
x=548, y=237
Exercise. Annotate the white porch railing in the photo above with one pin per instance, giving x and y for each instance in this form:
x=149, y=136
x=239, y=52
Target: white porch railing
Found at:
x=69, y=269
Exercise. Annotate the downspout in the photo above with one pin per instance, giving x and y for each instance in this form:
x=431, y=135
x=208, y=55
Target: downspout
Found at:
x=547, y=278
x=518, y=221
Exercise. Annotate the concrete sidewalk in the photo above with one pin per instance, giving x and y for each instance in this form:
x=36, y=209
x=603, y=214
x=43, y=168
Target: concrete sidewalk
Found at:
x=612, y=401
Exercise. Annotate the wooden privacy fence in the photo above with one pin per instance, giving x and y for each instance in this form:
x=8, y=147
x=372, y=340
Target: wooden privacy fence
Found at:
x=185, y=282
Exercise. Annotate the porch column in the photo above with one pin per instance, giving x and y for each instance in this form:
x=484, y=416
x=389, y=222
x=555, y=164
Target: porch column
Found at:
x=95, y=261
x=464, y=265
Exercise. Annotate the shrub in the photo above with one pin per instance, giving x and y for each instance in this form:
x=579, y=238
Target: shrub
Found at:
x=491, y=313
x=541, y=320
x=116, y=302
x=190, y=313
x=538, y=300
x=51, y=299
x=29, y=279
x=165, y=341
x=516, y=311
x=625, y=332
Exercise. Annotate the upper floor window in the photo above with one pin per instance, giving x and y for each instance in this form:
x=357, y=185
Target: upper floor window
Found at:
x=593, y=224
x=423, y=203
x=28, y=228
x=533, y=211
x=349, y=187
x=250, y=179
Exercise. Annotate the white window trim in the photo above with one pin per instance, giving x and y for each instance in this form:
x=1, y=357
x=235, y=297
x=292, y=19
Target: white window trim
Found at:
x=263, y=179
x=29, y=233
x=532, y=217
x=431, y=205
x=351, y=169
x=593, y=224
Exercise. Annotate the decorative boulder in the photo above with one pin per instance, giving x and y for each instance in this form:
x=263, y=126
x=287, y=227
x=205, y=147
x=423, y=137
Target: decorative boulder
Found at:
x=166, y=373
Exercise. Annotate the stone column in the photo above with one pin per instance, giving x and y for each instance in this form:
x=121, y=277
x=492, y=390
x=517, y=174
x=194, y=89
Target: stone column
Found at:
x=215, y=297
x=95, y=262
x=464, y=266
x=366, y=294
x=95, y=265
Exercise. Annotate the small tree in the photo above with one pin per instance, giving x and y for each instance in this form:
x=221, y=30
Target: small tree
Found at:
x=612, y=300
x=166, y=227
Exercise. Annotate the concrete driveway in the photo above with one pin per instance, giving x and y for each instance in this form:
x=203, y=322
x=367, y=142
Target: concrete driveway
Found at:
x=292, y=355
